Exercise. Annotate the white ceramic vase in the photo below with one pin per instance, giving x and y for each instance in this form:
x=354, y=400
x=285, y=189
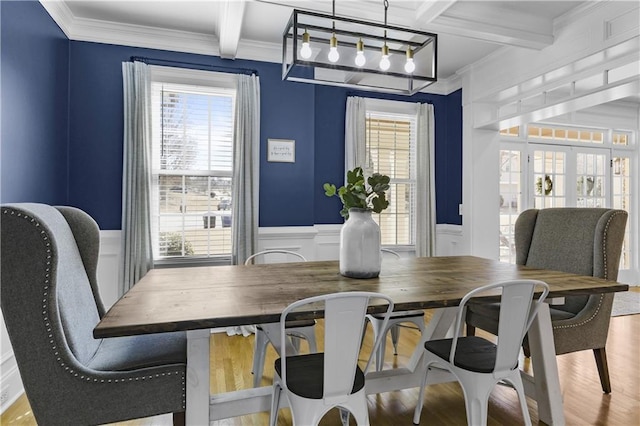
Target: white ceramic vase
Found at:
x=360, y=255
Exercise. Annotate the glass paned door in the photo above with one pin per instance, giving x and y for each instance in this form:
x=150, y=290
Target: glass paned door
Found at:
x=621, y=194
x=549, y=166
x=510, y=200
x=592, y=170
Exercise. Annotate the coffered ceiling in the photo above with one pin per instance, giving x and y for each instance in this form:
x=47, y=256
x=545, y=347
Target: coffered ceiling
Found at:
x=252, y=29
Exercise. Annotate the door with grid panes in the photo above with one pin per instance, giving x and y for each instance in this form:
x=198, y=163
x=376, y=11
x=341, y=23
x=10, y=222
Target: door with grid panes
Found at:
x=562, y=176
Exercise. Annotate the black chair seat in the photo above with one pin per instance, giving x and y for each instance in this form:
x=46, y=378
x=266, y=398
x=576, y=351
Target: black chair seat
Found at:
x=400, y=314
x=296, y=324
x=472, y=353
x=305, y=375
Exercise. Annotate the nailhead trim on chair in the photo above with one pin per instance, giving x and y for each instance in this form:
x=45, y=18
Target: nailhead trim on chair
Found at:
x=604, y=255
x=47, y=324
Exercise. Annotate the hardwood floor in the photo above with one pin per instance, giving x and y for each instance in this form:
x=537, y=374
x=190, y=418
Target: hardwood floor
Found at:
x=584, y=402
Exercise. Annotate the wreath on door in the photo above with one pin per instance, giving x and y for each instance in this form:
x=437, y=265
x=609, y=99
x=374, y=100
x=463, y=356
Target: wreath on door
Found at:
x=548, y=185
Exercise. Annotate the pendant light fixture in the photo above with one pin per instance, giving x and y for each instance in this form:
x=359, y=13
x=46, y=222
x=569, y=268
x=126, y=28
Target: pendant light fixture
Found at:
x=333, y=55
x=409, y=66
x=305, y=51
x=384, y=53
x=370, y=55
x=360, y=59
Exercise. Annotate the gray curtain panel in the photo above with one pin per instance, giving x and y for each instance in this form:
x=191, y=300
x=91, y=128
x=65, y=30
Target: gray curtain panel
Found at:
x=355, y=151
x=136, y=231
x=246, y=172
x=425, y=191
x=246, y=169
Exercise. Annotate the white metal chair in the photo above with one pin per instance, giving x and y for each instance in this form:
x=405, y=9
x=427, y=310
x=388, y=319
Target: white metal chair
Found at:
x=479, y=364
x=316, y=383
x=304, y=329
x=416, y=317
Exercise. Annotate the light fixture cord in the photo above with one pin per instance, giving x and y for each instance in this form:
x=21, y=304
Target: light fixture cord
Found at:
x=334, y=15
x=386, y=6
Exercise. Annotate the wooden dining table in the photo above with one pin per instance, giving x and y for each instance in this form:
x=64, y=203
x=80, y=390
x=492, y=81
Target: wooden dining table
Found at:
x=197, y=299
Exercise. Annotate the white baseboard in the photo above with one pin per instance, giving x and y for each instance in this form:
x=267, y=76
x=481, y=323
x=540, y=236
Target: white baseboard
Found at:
x=11, y=385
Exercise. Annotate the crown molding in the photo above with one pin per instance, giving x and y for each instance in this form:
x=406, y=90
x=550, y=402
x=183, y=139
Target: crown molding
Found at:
x=61, y=14
x=90, y=30
x=577, y=13
x=444, y=86
x=142, y=36
x=259, y=51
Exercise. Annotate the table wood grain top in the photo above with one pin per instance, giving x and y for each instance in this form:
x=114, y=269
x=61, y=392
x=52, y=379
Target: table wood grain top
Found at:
x=173, y=299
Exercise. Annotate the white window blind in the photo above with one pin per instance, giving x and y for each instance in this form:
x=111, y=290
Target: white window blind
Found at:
x=391, y=148
x=192, y=133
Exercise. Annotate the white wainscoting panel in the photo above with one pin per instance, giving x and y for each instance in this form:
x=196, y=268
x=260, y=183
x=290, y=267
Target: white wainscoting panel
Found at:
x=449, y=240
x=327, y=242
x=109, y=266
x=11, y=384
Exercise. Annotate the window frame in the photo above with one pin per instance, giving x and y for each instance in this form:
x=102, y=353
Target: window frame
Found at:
x=202, y=82
x=403, y=110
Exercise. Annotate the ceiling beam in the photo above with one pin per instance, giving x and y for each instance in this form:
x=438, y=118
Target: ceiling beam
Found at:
x=430, y=10
x=229, y=26
x=609, y=93
x=489, y=32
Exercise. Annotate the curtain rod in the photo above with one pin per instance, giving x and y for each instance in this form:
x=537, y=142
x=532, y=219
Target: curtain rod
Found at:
x=153, y=61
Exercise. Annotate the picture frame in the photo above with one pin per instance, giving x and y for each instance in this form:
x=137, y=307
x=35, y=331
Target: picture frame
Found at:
x=281, y=150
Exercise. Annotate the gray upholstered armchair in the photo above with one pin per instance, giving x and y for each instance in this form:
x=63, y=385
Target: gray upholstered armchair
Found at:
x=50, y=304
x=585, y=241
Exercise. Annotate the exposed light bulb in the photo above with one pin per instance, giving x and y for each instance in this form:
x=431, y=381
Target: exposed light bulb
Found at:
x=333, y=49
x=305, y=50
x=409, y=66
x=333, y=54
x=384, y=60
x=360, y=59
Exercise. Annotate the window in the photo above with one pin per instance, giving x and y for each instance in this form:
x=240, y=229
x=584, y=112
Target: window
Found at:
x=391, y=147
x=192, y=147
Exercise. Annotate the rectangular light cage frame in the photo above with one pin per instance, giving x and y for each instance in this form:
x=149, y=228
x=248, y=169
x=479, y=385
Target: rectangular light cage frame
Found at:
x=318, y=69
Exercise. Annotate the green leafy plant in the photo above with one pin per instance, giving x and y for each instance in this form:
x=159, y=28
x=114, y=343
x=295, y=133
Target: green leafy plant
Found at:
x=356, y=193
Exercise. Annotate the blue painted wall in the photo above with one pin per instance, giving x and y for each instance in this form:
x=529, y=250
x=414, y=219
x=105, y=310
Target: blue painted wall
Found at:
x=34, y=87
x=290, y=193
x=330, y=109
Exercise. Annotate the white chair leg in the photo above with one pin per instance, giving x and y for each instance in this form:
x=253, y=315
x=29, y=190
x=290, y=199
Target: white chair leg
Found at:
x=516, y=381
x=375, y=325
x=423, y=384
x=360, y=411
x=295, y=342
x=476, y=398
x=311, y=340
x=275, y=404
x=306, y=333
x=259, y=349
x=395, y=335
